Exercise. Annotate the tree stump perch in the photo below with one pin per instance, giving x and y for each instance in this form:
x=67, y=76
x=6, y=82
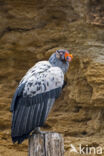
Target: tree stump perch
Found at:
x=47, y=144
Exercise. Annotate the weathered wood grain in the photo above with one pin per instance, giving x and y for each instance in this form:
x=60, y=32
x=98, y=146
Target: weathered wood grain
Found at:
x=47, y=144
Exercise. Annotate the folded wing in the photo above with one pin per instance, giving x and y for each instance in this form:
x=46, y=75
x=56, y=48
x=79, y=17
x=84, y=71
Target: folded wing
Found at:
x=34, y=98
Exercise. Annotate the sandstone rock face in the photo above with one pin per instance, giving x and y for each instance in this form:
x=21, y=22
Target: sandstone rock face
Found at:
x=31, y=31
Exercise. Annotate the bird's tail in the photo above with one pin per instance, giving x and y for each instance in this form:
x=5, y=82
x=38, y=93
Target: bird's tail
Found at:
x=15, y=136
x=20, y=139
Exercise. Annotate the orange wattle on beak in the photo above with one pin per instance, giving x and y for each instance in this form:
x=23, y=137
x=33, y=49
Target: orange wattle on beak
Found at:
x=68, y=57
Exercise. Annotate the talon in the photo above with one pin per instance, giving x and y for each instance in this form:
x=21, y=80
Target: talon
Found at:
x=38, y=131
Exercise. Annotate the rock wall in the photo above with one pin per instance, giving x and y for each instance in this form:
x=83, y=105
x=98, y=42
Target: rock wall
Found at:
x=31, y=31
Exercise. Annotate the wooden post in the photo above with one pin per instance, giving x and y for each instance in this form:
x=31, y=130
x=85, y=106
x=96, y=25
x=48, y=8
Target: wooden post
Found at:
x=47, y=144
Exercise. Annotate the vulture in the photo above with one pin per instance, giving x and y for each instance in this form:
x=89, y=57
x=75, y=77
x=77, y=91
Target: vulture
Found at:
x=36, y=94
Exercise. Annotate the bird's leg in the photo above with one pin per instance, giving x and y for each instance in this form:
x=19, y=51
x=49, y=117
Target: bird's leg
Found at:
x=38, y=131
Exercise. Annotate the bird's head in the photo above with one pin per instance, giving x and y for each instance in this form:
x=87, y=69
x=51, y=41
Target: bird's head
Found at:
x=61, y=58
x=64, y=55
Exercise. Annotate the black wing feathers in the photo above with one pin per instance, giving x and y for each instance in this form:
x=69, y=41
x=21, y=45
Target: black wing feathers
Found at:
x=16, y=95
x=31, y=112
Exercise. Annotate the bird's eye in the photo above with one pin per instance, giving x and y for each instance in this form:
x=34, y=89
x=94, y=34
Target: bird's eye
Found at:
x=57, y=51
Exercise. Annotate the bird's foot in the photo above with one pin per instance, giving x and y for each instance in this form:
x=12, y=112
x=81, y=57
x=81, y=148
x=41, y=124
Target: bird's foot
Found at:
x=37, y=131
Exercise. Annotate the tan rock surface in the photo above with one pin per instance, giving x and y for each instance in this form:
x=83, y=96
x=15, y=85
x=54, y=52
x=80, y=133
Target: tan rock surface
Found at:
x=29, y=32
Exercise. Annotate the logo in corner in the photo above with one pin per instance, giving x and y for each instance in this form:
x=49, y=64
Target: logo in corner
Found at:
x=73, y=149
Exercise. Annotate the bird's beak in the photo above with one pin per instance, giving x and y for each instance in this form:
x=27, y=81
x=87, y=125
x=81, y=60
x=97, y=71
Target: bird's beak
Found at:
x=68, y=57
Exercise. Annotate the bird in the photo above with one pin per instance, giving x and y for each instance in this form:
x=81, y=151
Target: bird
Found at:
x=36, y=94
